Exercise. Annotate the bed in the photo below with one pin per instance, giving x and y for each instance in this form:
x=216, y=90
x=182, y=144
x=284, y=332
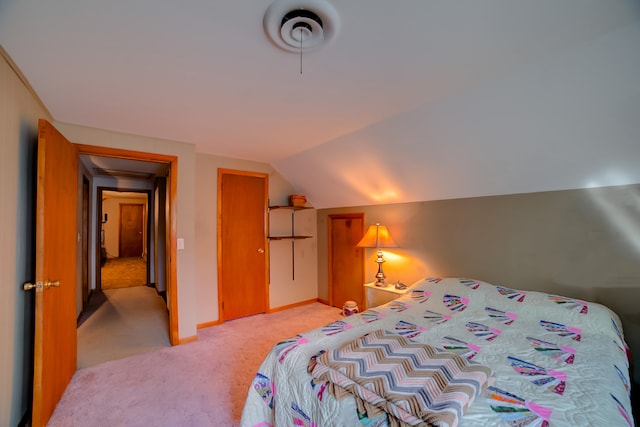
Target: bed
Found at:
x=523, y=358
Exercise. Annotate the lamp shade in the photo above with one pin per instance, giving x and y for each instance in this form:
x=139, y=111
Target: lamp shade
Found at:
x=377, y=236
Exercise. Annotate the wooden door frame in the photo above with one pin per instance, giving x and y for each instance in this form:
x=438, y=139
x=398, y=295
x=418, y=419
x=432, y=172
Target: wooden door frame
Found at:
x=359, y=215
x=84, y=232
x=222, y=171
x=172, y=221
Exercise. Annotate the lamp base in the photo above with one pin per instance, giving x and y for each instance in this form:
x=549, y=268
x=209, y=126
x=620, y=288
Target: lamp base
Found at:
x=381, y=284
x=380, y=276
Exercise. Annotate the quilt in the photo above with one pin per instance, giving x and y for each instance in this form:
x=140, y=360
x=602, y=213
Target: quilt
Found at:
x=556, y=361
x=413, y=384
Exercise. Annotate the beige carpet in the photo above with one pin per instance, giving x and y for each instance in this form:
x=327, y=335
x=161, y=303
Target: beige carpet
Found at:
x=124, y=272
x=129, y=321
x=203, y=383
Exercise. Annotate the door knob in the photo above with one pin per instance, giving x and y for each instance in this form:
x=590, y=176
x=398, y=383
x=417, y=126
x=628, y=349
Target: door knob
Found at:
x=260, y=250
x=38, y=285
x=29, y=286
x=50, y=284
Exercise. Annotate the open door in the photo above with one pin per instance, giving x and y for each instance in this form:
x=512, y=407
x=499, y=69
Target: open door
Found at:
x=55, y=277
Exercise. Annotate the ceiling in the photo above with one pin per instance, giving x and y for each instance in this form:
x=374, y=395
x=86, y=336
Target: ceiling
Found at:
x=204, y=72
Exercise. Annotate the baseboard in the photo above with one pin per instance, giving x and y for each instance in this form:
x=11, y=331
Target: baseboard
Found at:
x=272, y=310
x=297, y=304
x=187, y=339
x=322, y=301
x=207, y=324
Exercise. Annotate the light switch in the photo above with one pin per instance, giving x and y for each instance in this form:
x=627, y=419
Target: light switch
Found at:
x=180, y=243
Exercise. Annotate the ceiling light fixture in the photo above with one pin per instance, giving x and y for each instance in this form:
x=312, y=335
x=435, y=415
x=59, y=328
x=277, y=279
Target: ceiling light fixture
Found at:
x=300, y=25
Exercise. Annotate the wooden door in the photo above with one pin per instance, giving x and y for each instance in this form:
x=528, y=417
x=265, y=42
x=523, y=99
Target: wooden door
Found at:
x=56, y=248
x=242, y=243
x=131, y=230
x=346, y=261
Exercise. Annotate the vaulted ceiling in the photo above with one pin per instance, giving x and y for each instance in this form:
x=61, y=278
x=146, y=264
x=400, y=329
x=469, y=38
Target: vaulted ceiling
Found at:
x=411, y=100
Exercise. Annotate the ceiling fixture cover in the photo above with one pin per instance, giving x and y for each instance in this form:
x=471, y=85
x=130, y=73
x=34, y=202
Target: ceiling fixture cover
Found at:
x=301, y=25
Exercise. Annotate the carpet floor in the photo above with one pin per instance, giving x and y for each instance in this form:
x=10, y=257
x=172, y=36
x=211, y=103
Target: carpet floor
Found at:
x=128, y=321
x=200, y=384
x=124, y=273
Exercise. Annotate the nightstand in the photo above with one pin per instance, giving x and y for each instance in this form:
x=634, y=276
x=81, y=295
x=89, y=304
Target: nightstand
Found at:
x=378, y=295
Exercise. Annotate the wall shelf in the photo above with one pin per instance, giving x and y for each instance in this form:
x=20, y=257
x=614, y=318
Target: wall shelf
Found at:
x=293, y=236
x=288, y=237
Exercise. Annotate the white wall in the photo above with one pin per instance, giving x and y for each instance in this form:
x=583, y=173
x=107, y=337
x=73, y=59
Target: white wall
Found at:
x=568, y=121
x=294, y=265
x=19, y=113
x=283, y=290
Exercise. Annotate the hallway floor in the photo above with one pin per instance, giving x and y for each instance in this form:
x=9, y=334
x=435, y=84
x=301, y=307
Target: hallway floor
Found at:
x=130, y=321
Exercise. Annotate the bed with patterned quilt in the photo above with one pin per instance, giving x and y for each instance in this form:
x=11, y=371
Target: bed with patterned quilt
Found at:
x=451, y=352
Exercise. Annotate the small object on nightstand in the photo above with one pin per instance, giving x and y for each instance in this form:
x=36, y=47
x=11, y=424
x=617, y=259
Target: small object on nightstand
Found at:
x=400, y=286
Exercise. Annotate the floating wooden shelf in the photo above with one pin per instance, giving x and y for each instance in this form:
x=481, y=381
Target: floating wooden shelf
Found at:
x=293, y=237
x=288, y=237
x=295, y=208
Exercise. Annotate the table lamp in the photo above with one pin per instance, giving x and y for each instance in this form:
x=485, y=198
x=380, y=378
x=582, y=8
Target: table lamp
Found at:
x=378, y=237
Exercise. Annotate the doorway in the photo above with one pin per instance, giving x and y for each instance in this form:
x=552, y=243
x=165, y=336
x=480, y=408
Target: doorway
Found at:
x=126, y=235
x=126, y=314
x=132, y=165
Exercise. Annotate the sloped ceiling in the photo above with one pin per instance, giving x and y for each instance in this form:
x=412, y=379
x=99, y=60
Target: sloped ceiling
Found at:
x=412, y=100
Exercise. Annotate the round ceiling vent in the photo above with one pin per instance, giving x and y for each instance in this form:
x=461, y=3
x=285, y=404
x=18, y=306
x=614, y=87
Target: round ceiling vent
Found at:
x=300, y=25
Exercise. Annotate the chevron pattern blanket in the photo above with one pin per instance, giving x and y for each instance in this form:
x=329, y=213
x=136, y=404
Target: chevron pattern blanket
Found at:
x=414, y=384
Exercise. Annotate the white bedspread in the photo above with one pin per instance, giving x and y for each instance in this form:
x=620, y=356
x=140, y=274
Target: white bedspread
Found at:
x=556, y=361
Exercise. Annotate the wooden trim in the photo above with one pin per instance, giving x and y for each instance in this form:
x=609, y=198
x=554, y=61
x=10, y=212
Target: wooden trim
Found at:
x=219, y=244
x=297, y=304
x=243, y=173
x=172, y=221
x=207, y=324
x=273, y=310
x=186, y=340
x=172, y=285
x=124, y=154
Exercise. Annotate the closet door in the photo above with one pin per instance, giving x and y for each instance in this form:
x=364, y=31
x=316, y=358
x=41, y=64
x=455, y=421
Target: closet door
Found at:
x=242, y=243
x=346, y=261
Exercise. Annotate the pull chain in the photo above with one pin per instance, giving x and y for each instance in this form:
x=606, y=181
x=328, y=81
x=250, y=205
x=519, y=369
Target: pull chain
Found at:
x=301, y=51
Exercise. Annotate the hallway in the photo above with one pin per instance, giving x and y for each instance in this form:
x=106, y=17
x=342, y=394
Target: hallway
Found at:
x=128, y=321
